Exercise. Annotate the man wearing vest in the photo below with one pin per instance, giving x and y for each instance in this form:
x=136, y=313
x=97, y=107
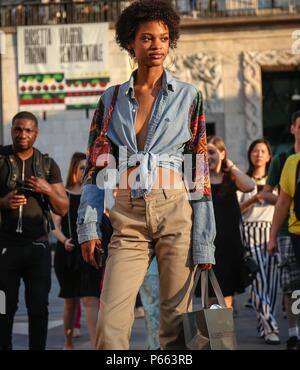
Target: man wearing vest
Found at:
x=290, y=270
x=30, y=185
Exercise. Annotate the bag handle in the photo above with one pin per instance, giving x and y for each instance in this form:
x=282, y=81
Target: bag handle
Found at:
x=204, y=288
x=216, y=288
x=110, y=110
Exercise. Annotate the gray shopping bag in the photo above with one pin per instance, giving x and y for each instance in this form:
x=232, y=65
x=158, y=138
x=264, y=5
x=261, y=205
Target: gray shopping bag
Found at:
x=209, y=329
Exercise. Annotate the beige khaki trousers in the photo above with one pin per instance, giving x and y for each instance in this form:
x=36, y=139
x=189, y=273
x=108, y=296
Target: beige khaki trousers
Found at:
x=159, y=223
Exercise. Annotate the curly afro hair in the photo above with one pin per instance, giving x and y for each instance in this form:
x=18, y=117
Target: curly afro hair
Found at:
x=146, y=11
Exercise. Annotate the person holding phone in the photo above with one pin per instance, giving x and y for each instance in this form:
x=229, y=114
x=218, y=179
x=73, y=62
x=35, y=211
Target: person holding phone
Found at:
x=257, y=218
x=30, y=184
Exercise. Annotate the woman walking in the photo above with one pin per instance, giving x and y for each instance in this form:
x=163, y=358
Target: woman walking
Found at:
x=257, y=219
x=77, y=279
x=158, y=119
x=226, y=178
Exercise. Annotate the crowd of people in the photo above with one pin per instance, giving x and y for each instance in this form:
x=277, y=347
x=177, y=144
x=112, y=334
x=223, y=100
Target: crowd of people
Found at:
x=172, y=214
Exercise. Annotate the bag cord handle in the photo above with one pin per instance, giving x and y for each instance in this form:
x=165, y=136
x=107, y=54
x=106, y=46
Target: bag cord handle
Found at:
x=204, y=288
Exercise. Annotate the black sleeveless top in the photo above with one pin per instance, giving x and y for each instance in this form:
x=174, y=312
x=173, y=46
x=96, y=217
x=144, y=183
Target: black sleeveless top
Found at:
x=229, y=247
x=68, y=222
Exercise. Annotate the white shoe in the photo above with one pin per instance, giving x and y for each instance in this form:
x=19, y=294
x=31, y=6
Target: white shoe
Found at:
x=272, y=338
x=76, y=333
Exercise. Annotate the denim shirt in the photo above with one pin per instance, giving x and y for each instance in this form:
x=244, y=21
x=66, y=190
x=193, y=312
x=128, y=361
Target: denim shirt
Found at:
x=176, y=127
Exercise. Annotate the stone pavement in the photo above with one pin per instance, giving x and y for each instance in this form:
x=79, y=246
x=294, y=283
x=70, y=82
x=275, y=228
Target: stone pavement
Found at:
x=245, y=322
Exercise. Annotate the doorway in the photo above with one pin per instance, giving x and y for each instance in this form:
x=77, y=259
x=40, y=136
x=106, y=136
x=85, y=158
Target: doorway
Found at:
x=281, y=97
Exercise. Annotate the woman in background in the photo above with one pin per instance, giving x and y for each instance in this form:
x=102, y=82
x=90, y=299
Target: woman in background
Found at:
x=77, y=279
x=226, y=178
x=257, y=219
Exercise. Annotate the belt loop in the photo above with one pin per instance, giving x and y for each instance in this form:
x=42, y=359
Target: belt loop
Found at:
x=165, y=193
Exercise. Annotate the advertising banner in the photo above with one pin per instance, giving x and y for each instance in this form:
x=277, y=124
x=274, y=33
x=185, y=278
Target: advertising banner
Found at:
x=62, y=67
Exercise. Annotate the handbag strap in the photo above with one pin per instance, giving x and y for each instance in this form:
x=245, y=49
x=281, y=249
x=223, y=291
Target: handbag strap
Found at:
x=204, y=288
x=69, y=218
x=243, y=238
x=110, y=110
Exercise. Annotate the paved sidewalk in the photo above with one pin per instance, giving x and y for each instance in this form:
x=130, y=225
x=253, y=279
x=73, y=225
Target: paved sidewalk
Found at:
x=245, y=322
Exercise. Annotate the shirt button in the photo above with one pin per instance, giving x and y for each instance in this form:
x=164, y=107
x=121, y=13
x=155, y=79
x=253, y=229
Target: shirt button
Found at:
x=133, y=110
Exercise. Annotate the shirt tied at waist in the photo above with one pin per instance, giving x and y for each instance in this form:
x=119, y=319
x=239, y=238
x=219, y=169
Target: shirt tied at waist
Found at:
x=147, y=163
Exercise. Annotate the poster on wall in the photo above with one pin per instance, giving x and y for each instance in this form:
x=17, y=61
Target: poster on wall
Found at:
x=62, y=67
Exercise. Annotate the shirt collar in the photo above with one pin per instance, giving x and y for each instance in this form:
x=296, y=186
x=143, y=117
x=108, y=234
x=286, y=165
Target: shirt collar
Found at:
x=168, y=84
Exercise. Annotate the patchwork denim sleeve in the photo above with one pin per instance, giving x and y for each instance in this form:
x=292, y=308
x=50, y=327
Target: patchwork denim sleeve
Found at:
x=204, y=227
x=197, y=148
x=90, y=213
x=204, y=232
x=91, y=206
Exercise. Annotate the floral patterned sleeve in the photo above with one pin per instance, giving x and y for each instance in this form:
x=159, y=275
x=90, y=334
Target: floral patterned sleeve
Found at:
x=95, y=129
x=197, y=147
x=91, y=206
x=204, y=227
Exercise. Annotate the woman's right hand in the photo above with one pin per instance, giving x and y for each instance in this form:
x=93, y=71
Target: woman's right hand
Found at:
x=68, y=245
x=229, y=166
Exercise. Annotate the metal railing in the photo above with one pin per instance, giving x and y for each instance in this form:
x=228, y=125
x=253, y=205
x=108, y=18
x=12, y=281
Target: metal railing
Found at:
x=90, y=11
x=236, y=8
x=64, y=12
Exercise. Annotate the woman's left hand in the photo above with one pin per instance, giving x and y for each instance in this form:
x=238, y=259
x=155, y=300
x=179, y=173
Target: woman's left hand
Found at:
x=205, y=266
x=68, y=245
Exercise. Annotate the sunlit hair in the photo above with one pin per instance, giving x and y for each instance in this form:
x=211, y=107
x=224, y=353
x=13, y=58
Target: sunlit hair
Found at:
x=250, y=150
x=145, y=11
x=218, y=142
x=77, y=157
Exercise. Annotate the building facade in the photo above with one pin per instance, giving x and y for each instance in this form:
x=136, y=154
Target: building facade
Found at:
x=229, y=57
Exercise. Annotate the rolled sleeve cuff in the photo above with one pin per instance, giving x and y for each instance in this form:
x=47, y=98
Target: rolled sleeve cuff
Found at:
x=204, y=232
x=88, y=231
x=203, y=254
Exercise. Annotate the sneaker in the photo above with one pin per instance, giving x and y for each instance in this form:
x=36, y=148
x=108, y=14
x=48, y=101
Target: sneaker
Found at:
x=76, y=333
x=248, y=304
x=293, y=343
x=139, y=312
x=272, y=338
